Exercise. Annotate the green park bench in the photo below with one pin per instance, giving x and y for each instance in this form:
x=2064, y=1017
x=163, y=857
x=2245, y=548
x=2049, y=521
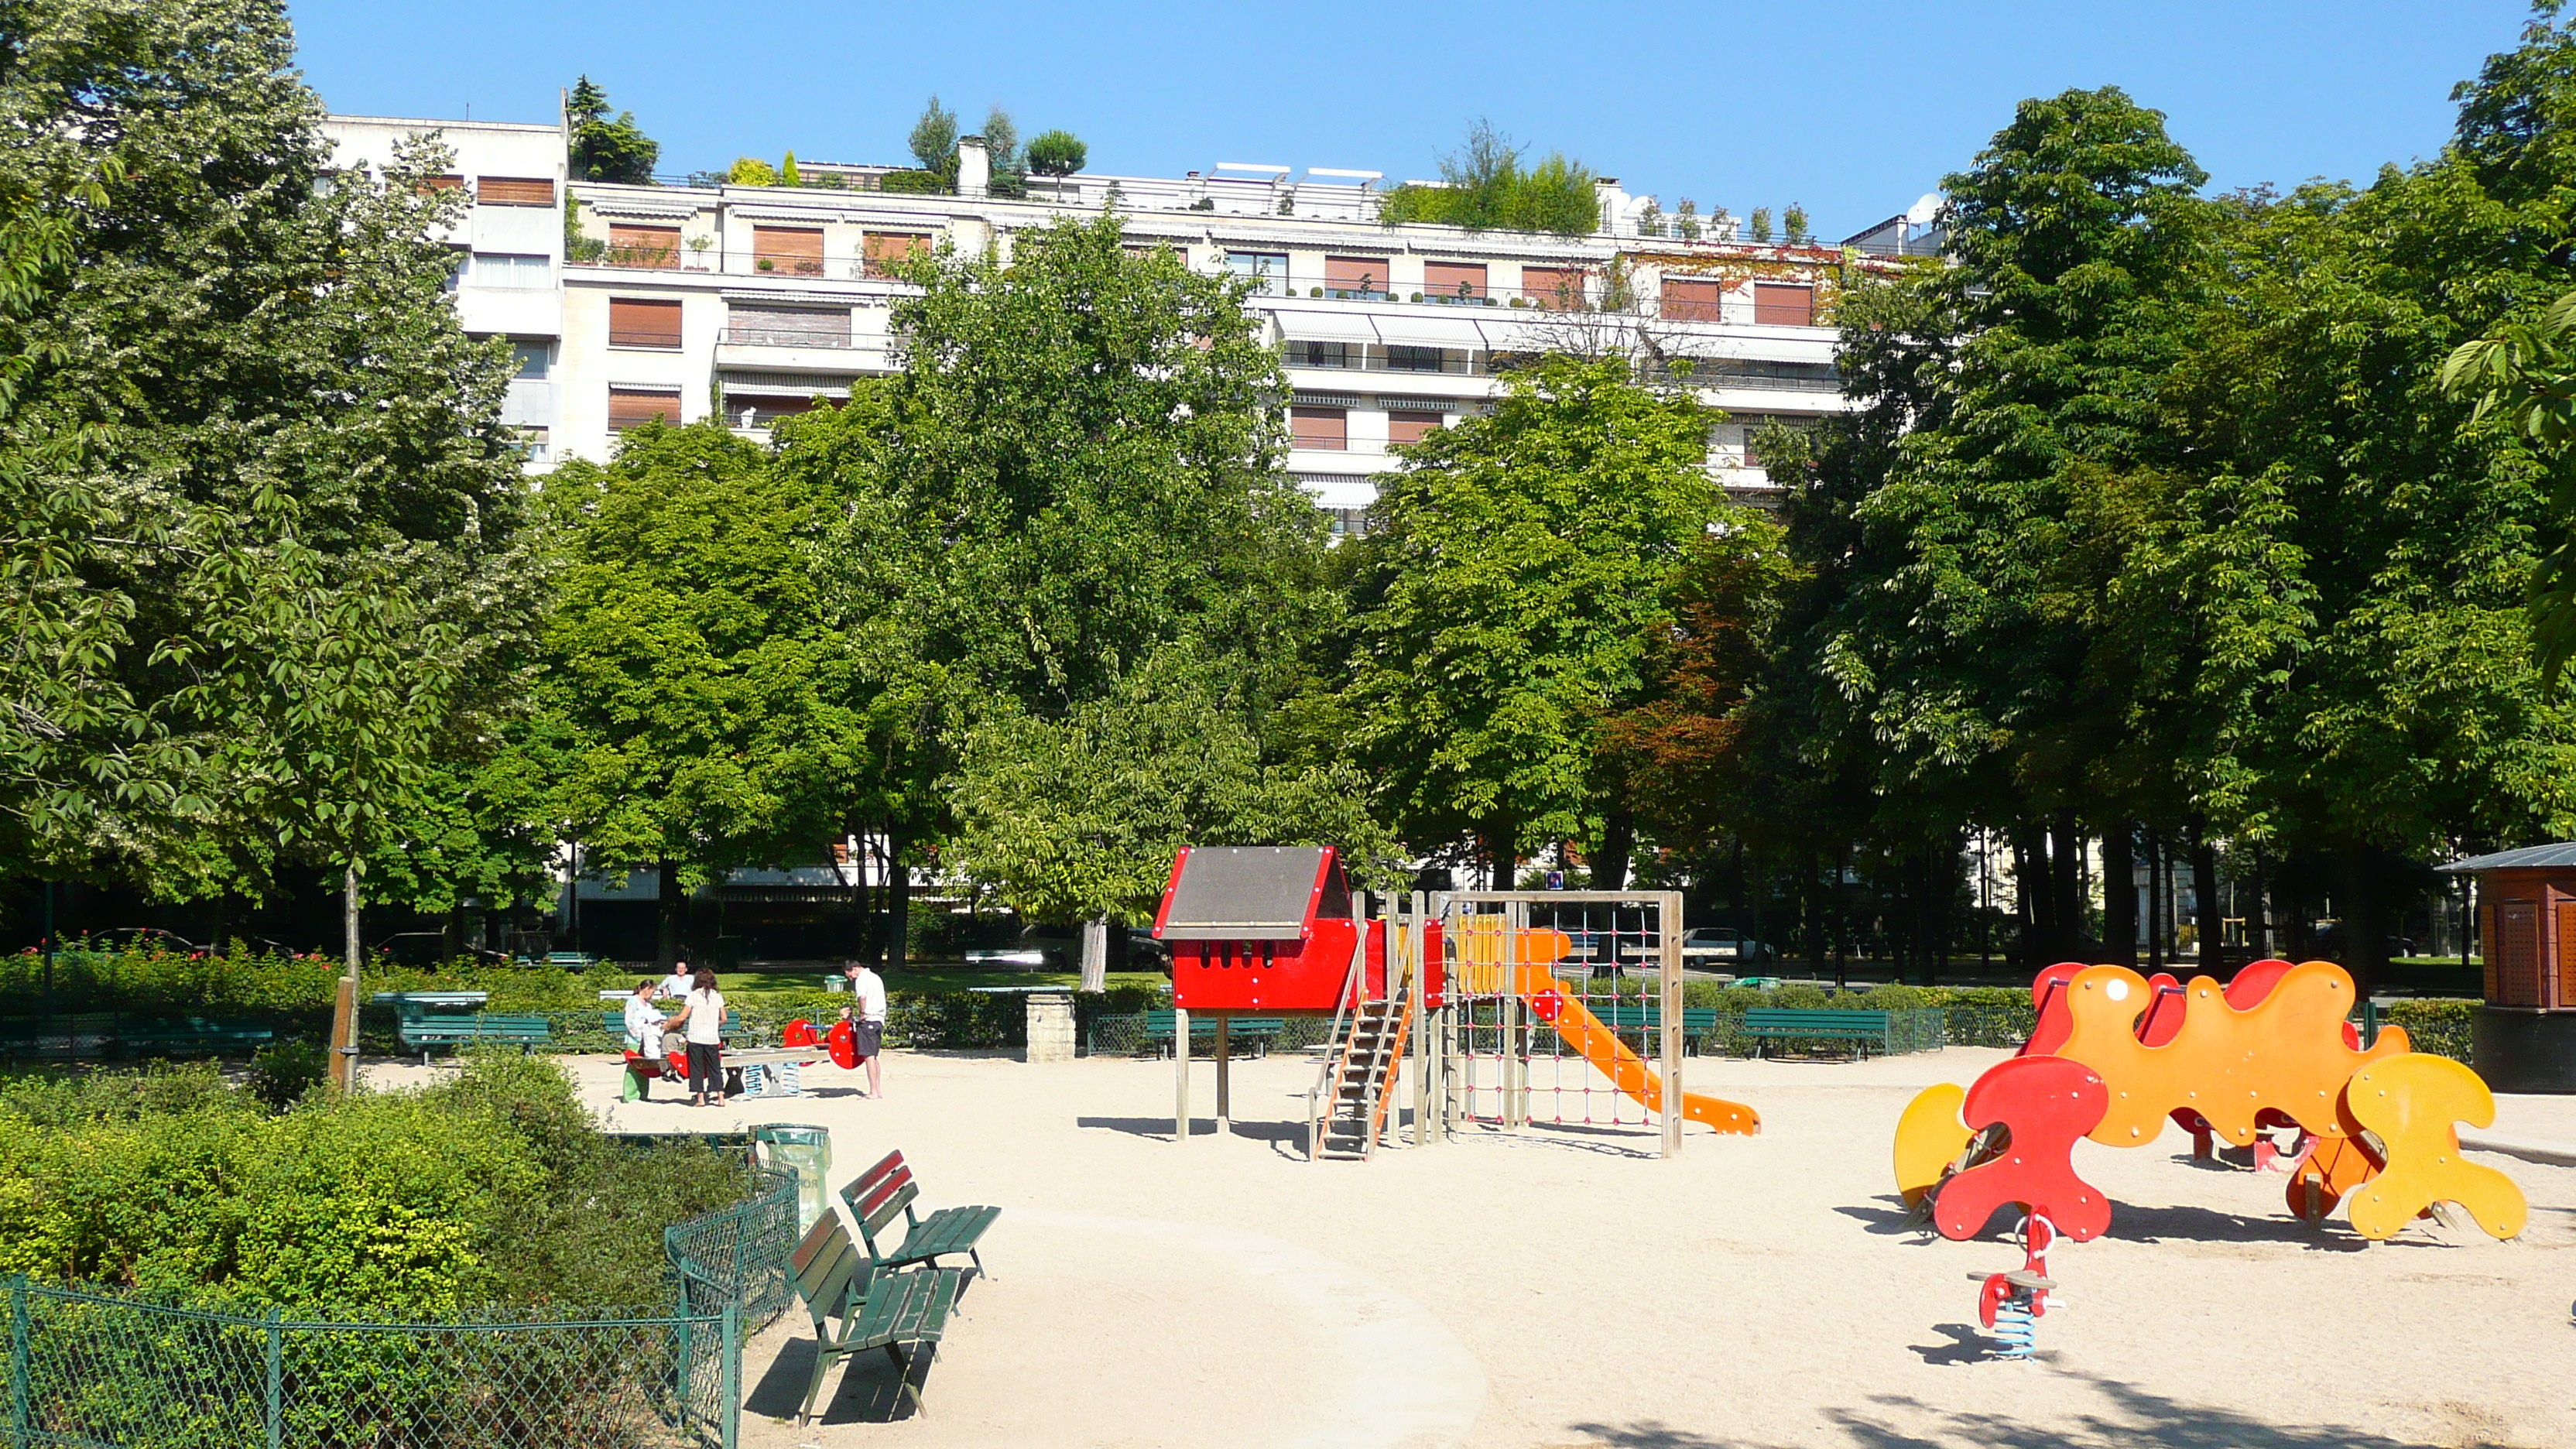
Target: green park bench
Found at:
x=188, y=1036
x=614, y=1022
x=425, y=1020
x=1863, y=1029
x=1698, y=1022
x=876, y=1307
x=877, y=1195
x=1256, y=1032
x=64, y=1035
x=571, y=960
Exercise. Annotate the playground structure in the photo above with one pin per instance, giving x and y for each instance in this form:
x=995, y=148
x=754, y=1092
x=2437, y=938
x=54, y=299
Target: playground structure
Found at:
x=2114, y=1056
x=1492, y=1019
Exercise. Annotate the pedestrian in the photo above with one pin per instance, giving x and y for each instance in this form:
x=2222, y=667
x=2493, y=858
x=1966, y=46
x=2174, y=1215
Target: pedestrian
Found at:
x=676, y=986
x=701, y=1020
x=867, y=1012
x=643, y=1043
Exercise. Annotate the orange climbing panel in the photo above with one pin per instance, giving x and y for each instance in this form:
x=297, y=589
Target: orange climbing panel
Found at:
x=2411, y=1104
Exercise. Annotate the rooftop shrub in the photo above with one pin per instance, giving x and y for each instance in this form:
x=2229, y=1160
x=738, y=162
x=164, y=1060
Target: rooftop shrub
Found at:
x=1486, y=187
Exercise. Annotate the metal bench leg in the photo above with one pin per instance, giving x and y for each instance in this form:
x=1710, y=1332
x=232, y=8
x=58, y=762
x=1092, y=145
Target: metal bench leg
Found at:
x=813, y=1386
x=903, y=1379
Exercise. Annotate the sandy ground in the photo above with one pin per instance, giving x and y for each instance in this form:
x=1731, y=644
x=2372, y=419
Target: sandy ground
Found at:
x=1562, y=1286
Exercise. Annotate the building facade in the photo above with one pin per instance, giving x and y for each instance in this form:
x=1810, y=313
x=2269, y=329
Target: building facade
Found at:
x=757, y=302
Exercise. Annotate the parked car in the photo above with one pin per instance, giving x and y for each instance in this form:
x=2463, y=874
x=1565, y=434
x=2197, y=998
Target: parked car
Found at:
x=1711, y=947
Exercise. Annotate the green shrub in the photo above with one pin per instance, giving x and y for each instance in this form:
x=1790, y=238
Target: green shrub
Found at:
x=282, y=1072
x=1487, y=188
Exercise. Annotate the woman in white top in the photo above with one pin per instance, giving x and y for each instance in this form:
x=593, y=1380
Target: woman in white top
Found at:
x=702, y=1020
x=643, y=1043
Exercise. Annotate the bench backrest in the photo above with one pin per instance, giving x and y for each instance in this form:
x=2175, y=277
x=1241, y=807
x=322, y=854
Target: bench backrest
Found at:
x=829, y=1269
x=881, y=1194
x=1816, y=1016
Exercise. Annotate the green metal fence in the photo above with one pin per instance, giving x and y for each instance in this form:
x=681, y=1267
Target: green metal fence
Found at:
x=95, y=1370
x=736, y=1259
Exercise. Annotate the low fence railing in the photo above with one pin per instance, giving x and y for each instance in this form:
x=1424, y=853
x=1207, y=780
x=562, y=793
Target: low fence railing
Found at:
x=736, y=1259
x=94, y=1370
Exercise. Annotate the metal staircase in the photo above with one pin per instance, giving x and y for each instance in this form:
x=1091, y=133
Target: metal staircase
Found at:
x=1361, y=1065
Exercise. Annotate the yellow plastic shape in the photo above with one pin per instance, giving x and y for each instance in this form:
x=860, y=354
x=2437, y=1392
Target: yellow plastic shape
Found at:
x=2286, y=1053
x=2413, y=1104
x=1929, y=1137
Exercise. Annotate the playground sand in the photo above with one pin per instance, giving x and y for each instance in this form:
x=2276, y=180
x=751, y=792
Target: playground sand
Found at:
x=1559, y=1287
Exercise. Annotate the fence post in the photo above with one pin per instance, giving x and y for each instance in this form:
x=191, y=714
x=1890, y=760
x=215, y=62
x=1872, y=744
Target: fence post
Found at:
x=276, y=1378
x=732, y=1372
x=19, y=1409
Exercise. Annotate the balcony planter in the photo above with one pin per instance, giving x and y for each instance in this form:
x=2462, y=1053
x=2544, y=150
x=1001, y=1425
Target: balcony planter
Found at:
x=766, y=265
x=1417, y=296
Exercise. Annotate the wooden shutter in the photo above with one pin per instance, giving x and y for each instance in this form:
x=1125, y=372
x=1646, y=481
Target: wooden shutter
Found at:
x=1410, y=427
x=1365, y=275
x=1776, y=305
x=882, y=249
x=2518, y=943
x=1453, y=281
x=1555, y=289
x=2562, y=954
x=514, y=191
x=788, y=326
x=1325, y=428
x=441, y=183
x=796, y=251
x=1694, y=299
x=634, y=322
x=643, y=246
x=630, y=407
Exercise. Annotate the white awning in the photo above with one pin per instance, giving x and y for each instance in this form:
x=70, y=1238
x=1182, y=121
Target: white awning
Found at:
x=1299, y=325
x=1411, y=329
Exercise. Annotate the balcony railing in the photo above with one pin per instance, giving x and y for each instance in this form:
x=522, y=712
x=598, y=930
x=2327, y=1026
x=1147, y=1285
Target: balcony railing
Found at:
x=719, y=262
x=1355, y=358
x=774, y=337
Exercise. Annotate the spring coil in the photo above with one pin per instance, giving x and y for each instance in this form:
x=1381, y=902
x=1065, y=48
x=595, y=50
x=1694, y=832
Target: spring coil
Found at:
x=2016, y=1331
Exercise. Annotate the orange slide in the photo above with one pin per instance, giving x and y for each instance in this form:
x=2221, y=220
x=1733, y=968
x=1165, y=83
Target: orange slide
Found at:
x=1482, y=970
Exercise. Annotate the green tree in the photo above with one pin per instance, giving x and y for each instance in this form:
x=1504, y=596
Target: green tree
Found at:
x=1076, y=470
x=1057, y=153
x=1506, y=598
x=255, y=449
x=934, y=137
x=706, y=700
x=605, y=149
x=787, y=172
x=1489, y=188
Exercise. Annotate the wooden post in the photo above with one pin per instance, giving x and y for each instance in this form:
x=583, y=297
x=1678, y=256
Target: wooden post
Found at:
x=344, y=1011
x=1224, y=1074
x=1181, y=1075
x=1670, y=908
x=1515, y=1040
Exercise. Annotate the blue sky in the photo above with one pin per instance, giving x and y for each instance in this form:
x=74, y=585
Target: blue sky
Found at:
x=1854, y=109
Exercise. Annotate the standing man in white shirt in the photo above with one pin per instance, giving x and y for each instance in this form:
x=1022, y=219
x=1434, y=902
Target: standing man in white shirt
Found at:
x=867, y=1011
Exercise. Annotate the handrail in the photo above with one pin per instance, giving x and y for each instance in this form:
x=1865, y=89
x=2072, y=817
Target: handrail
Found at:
x=1337, y=1053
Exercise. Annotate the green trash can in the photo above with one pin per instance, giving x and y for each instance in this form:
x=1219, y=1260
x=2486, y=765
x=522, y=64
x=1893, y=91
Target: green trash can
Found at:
x=808, y=1151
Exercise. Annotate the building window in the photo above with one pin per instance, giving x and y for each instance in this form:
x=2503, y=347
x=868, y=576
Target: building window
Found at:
x=1775, y=305
x=642, y=246
x=1321, y=354
x=533, y=360
x=510, y=270
x=793, y=251
x=634, y=322
x=1553, y=289
x=1689, y=299
x=1348, y=522
x=632, y=407
x=756, y=326
x=1360, y=279
x=1266, y=271
x=1324, y=428
x=1411, y=427
x=884, y=250
x=514, y=191
x=1453, y=282
x=533, y=445
x=1401, y=358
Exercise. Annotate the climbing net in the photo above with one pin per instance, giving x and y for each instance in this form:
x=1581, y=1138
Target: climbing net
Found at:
x=1509, y=1063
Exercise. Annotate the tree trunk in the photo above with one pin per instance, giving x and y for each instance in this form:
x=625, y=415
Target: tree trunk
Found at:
x=2120, y=892
x=2035, y=898
x=2204, y=892
x=1618, y=840
x=2365, y=945
x=673, y=901
x=1814, y=911
x=898, y=921
x=1095, y=953
x=2258, y=925
x=2155, y=902
x=2066, y=880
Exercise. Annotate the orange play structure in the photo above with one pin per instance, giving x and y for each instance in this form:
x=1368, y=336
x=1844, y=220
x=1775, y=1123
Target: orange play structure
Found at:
x=1492, y=960
x=2115, y=1056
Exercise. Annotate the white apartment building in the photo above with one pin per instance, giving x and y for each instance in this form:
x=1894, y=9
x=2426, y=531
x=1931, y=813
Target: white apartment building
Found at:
x=680, y=301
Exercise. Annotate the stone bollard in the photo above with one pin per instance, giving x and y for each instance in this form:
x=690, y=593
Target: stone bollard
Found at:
x=1051, y=1036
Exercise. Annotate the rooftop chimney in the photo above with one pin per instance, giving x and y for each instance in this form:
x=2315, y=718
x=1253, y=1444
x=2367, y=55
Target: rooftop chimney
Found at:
x=974, y=167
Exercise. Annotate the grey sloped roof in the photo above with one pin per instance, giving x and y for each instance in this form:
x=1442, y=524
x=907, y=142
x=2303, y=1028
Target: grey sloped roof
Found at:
x=2528, y=858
